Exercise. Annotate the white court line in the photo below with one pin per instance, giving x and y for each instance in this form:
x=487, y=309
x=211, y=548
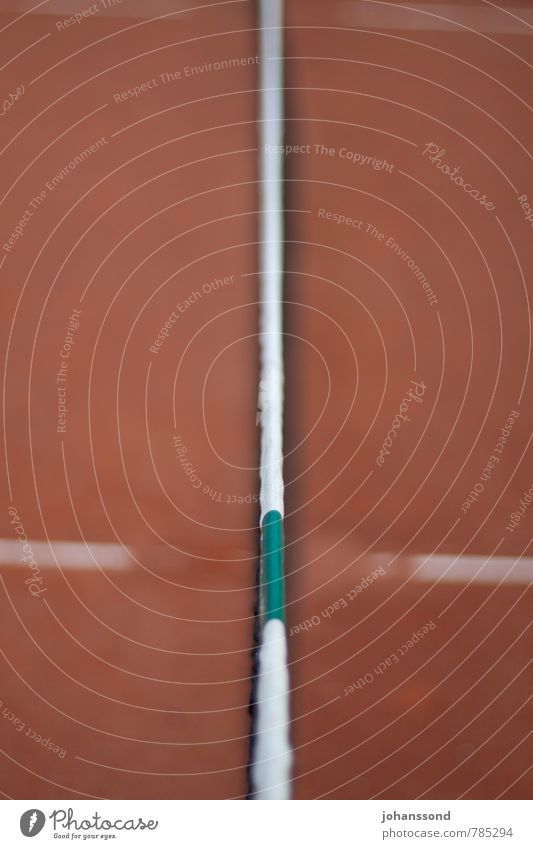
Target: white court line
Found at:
x=426, y=568
x=453, y=569
x=68, y=555
x=483, y=19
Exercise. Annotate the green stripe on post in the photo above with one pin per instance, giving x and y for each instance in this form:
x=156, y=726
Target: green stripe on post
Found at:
x=272, y=565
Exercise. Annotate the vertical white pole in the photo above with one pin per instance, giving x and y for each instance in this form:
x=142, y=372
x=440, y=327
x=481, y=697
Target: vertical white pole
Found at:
x=271, y=253
x=271, y=755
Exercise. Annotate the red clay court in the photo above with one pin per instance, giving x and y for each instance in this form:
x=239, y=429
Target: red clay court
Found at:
x=129, y=266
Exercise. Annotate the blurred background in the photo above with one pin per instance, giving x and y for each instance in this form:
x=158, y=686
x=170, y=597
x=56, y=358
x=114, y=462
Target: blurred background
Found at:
x=128, y=550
